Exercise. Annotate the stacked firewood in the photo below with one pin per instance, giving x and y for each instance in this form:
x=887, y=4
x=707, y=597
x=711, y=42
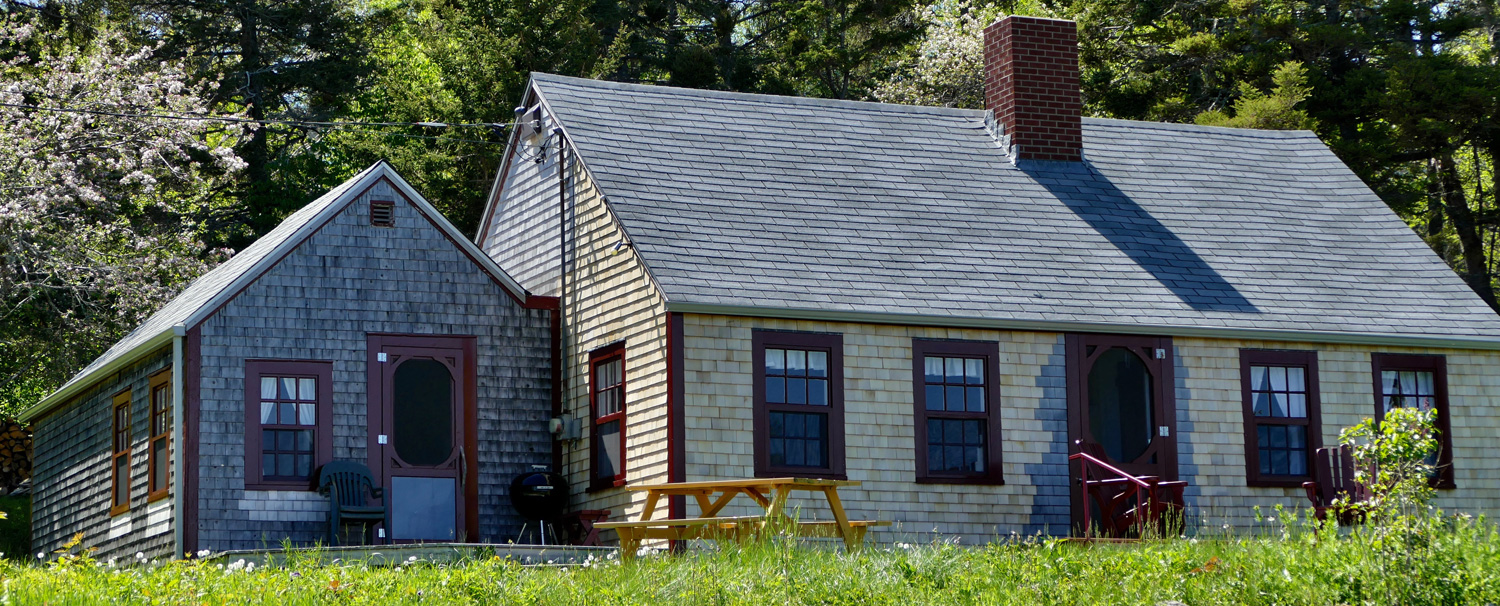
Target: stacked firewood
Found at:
x=15, y=454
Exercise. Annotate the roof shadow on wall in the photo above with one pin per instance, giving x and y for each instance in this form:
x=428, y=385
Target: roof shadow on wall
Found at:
x=1140, y=236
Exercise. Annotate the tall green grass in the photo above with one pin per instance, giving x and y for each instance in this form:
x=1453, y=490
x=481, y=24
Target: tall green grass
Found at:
x=1282, y=563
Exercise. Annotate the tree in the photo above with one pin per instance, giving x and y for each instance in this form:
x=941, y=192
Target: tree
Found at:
x=98, y=200
x=1275, y=111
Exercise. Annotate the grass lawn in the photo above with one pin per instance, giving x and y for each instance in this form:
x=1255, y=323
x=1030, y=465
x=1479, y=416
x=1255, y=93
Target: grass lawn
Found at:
x=1458, y=565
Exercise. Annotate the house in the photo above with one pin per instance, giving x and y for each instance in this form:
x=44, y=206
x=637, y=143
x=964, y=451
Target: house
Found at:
x=940, y=302
x=679, y=285
x=365, y=328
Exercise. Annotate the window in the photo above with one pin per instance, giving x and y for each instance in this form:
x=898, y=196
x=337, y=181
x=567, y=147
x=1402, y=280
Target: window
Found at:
x=1282, y=431
x=1422, y=381
x=287, y=422
x=957, y=424
x=160, y=446
x=607, y=409
x=119, y=461
x=799, y=404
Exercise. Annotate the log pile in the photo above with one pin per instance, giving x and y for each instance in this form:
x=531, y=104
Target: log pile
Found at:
x=15, y=454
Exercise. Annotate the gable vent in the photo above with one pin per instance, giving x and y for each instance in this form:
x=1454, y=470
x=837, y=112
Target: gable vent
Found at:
x=382, y=213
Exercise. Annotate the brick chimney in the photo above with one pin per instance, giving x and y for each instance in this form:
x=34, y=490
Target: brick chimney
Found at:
x=1031, y=83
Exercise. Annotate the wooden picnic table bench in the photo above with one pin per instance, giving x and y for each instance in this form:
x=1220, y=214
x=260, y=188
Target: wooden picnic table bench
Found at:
x=713, y=496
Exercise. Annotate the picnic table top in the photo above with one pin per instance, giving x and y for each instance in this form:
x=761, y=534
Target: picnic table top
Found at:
x=717, y=485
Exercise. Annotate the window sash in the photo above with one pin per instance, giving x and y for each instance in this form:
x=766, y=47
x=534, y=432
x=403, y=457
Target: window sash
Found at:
x=608, y=408
x=811, y=363
x=119, y=460
x=299, y=395
x=965, y=375
x=1437, y=365
x=1265, y=372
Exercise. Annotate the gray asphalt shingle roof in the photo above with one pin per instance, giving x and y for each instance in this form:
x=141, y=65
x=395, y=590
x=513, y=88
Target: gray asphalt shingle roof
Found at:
x=780, y=202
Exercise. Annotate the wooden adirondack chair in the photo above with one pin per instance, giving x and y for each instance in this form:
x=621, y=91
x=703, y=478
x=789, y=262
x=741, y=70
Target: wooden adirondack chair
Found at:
x=346, y=483
x=1335, y=479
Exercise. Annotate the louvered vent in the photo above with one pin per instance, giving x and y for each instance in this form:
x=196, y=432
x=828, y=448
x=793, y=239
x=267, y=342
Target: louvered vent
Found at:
x=382, y=213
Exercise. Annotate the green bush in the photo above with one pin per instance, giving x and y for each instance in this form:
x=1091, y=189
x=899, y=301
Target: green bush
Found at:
x=15, y=529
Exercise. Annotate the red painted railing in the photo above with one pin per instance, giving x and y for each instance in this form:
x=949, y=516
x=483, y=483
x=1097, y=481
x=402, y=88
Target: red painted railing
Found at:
x=1151, y=496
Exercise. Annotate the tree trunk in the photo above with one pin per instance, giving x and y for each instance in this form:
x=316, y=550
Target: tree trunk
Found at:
x=1476, y=269
x=1435, y=218
x=256, y=152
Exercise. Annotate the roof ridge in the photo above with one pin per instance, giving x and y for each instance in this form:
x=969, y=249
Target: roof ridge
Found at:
x=1183, y=126
x=759, y=98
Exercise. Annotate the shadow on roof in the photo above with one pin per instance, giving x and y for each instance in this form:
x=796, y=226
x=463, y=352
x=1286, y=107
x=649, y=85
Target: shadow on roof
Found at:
x=1140, y=236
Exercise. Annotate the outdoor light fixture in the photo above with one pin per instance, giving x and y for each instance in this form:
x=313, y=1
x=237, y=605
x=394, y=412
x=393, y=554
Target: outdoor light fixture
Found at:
x=619, y=247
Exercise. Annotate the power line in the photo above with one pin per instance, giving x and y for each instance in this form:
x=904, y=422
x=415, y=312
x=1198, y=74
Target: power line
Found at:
x=235, y=120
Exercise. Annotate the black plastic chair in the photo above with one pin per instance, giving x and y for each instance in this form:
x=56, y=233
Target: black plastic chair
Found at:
x=345, y=483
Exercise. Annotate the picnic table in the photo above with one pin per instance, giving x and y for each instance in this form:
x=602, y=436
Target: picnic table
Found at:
x=713, y=496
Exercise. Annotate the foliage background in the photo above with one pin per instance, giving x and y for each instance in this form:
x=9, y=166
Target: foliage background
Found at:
x=1407, y=92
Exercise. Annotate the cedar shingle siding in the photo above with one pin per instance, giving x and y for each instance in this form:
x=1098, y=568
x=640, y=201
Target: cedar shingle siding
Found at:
x=318, y=303
x=71, y=476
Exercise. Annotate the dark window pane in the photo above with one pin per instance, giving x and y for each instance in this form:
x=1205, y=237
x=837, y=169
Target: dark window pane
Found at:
x=304, y=465
x=815, y=453
x=122, y=480
x=955, y=398
x=1265, y=461
x=1295, y=436
x=607, y=450
x=286, y=388
x=285, y=465
x=975, y=399
x=267, y=465
x=1278, y=437
x=422, y=412
x=778, y=452
x=775, y=390
x=953, y=432
x=1262, y=405
x=976, y=459
x=954, y=456
x=794, y=454
x=1298, y=462
x=304, y=440
x=285, y=440
x=796, y=391
x=971, y=432
x=934, y=397
x=1278, y=462
x=1121, y=404
x=778, y=425
x=159, y=464
x=267, y=440
x=934, y=457
x=1262, y=437
x=934, y=431
x=817, y=392
x=287, y=413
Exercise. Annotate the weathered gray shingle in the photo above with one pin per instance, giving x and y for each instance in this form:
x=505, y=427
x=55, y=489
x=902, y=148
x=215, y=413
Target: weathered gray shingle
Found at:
x=781, y=202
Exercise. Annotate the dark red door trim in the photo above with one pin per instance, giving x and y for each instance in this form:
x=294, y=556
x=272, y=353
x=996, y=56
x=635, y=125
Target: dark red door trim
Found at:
x=676, y=415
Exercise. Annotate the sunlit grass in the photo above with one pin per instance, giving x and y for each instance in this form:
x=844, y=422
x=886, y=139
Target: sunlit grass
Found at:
x=1279, y=563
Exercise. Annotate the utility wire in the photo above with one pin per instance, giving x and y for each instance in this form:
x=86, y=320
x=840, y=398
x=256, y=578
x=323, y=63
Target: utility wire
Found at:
x=233, y=120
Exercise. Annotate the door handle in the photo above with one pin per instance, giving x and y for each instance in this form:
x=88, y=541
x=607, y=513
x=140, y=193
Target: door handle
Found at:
x=463, y=470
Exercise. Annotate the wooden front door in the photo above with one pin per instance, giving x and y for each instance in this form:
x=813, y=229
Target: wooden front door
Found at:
x=1120, y=396
x=422, y=443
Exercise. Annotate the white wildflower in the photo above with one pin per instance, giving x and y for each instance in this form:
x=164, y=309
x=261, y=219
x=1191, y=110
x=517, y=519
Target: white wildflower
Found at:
x=203, y=553
x=140, y=557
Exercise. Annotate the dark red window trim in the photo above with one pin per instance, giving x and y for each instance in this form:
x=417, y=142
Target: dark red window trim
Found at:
x=833, y=344
x=994, y=472
x=1438, y=366
x=323, y=430
x=597, y=358
x=1308, y=361
x=119, y=440
x=159, y=398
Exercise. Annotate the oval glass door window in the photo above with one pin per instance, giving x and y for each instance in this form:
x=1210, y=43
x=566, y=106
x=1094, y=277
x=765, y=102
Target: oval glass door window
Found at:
x=422, y=412
x=1120, y=404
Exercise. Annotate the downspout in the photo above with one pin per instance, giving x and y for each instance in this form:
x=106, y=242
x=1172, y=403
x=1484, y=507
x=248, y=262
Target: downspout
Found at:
x=179, y=424
x=562, y=277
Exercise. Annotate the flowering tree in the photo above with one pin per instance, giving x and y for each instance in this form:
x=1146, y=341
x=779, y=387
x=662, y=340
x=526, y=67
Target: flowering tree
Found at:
x=98, y=193
x=948, y=66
